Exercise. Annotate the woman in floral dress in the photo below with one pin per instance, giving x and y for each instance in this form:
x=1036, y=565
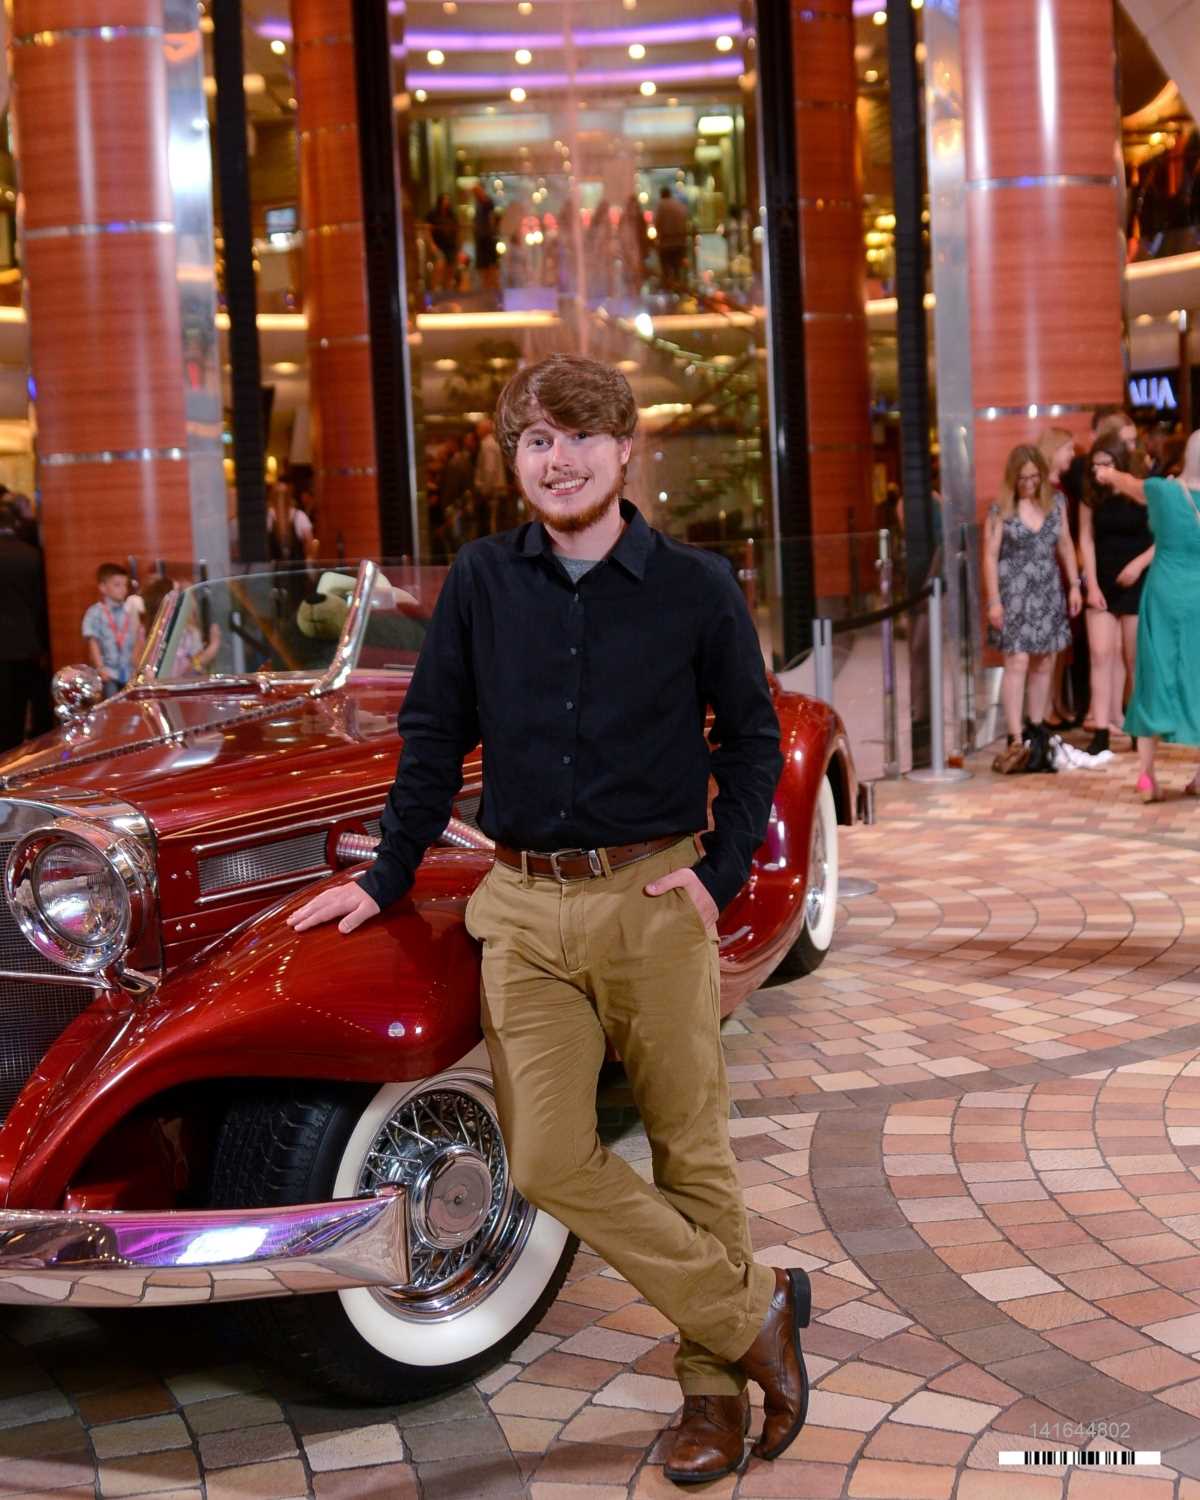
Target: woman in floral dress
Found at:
x=1026, y=539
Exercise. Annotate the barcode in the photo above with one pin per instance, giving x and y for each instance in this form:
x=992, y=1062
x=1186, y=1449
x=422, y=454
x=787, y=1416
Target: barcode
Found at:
x=1099, y=1457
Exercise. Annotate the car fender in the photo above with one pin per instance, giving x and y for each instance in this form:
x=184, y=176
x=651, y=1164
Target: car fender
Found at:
x=397, y=999
x=765, y=917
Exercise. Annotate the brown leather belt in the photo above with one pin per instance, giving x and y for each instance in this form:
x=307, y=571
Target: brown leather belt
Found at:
x=583, y=864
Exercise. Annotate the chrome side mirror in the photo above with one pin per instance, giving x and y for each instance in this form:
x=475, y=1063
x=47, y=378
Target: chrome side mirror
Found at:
x=76, y=690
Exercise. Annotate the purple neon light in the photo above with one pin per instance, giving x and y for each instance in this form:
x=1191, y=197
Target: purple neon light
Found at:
x=660, y=33
x=441, y=82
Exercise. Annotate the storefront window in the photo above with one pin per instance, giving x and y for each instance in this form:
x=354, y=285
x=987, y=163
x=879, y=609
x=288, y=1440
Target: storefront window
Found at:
x=583, y=178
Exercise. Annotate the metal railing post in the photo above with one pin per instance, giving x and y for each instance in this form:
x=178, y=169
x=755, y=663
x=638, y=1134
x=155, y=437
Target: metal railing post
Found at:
x=937, y=769
x=891, y=727
x=823, y=660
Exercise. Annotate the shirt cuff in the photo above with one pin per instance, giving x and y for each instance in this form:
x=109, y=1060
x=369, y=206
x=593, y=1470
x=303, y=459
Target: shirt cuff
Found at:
x=384, y=884
x=718, y=886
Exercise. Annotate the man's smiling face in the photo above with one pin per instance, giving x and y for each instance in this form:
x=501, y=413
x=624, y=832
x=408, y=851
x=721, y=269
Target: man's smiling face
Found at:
x=570, y=478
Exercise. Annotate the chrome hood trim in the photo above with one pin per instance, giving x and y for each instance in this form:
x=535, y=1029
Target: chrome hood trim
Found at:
x=167, y=735
x=79, y=1259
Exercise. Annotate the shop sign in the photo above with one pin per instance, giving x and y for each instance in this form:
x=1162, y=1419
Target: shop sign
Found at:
x=1153, y=390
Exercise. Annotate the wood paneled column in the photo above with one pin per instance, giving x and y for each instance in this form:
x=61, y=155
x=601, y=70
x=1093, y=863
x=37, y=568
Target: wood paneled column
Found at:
x=835, y=327
x=98, y=238
x=335, y=293
x=1044, y=234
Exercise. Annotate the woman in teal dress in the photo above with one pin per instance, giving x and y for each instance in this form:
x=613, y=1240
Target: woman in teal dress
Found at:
x=1166, y=690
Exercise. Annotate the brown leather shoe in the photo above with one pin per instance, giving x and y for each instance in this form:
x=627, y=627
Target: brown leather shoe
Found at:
x=710, y=1440
x=776, y=1361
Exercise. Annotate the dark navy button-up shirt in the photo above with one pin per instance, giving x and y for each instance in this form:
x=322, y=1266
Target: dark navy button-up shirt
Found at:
x=589, y=699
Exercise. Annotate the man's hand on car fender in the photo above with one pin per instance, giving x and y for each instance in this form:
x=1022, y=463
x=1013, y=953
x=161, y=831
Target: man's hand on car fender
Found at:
x=696, y=892
x=349, y=902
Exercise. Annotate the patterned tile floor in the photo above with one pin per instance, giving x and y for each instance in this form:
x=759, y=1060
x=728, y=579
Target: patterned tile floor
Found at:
x=978, y=1127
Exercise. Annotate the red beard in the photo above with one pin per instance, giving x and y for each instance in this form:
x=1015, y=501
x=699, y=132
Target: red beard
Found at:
x=578, y=520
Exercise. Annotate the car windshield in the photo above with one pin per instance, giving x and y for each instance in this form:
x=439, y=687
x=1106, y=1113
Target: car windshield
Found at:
x=290, y=621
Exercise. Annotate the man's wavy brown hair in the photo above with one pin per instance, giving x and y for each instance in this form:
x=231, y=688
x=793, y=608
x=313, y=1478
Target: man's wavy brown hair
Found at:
x=574, y=392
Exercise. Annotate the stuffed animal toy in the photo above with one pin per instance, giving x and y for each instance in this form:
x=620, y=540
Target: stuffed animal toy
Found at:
x=322, y=614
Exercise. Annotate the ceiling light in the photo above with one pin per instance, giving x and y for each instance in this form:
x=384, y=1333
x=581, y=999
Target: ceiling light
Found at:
x=207, y=25
x=724, y=44
x=518, y=95
x=291, y=104
x=872, y=75
x=435, y=57
x=421, y=96
x=450, y=7
x=648, y=88
x=880, y=18
x=278, y=47
x=629, y=4
x=523, y=56
x=918, y=4
x=525, y=8
x=285, y=367
x=637, y=51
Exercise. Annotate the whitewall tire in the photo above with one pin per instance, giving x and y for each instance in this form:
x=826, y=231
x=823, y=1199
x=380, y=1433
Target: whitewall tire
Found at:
x=485, y=1264
x=820, y=890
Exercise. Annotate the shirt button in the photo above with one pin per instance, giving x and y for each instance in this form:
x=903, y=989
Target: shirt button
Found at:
x=566, y=760
x=570, y=703
x=562, y=812
x=574, y=650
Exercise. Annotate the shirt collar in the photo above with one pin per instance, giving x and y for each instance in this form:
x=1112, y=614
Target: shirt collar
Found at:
x=631, y=550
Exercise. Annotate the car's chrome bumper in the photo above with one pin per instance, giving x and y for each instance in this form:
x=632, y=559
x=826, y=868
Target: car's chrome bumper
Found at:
x=80, y=1259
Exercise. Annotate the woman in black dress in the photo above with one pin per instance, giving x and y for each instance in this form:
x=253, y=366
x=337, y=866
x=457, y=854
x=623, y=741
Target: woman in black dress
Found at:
x=1116, y=547
x=443, y=230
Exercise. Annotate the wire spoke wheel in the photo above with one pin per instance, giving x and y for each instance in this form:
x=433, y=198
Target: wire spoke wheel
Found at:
x=468, y=1222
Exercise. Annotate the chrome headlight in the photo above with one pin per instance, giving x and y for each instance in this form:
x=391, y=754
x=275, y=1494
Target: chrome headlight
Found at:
x=80, y=893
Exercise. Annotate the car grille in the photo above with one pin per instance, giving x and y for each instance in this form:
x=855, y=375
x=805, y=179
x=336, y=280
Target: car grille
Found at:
x=228, y=872
x=32, y=1016
x=17, y=954
x=32, y=1013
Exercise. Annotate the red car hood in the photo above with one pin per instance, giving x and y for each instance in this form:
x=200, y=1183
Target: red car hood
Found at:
x=191, y=758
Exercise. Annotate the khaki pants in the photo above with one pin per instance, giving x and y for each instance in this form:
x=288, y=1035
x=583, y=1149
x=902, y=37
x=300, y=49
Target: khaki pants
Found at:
x=564, y=967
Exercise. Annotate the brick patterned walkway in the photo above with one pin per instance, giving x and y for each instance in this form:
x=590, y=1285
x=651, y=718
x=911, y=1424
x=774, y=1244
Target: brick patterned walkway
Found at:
x=978, y=1127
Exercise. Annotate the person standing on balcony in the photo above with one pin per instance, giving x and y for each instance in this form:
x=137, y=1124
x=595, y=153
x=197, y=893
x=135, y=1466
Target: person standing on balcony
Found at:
x=672, y=228
x=598, y=917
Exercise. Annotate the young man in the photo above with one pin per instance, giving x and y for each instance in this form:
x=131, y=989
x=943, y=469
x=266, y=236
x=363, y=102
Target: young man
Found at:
x=582, y=649
x=110, y=630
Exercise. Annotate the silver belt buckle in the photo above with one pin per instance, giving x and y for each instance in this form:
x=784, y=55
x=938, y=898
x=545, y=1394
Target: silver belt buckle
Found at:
x=593, y=860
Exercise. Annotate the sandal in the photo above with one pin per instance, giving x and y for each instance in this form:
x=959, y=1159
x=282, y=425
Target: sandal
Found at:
x=1147, y=789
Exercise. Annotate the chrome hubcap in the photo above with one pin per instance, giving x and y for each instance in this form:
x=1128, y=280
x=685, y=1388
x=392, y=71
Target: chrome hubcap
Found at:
x=468, y=1223
x=818, y=876
x=451, y=1198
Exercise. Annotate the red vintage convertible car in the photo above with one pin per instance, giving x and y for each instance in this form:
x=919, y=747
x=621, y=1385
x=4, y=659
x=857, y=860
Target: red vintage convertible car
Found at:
x=199, y=1104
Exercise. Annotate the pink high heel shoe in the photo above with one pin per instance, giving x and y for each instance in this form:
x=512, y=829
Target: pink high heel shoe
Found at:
x=1147, y=789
